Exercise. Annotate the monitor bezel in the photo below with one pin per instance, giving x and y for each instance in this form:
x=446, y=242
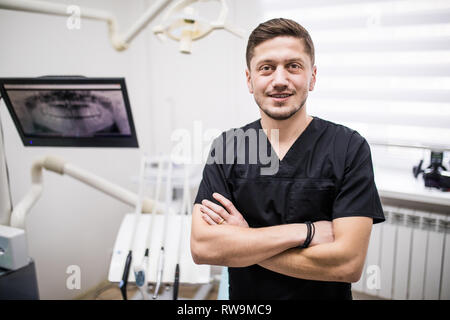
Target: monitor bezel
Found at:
x=130, y=141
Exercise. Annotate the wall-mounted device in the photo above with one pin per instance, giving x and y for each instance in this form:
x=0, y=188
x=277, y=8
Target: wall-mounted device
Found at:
x=436, y=174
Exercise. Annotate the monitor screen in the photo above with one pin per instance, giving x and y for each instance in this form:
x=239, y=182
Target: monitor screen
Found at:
x=70, y=111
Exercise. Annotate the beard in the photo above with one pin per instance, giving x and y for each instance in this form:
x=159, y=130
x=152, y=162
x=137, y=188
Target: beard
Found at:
x=281, y=116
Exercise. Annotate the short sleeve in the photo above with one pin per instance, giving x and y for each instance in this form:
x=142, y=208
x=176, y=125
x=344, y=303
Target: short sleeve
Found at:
x=213, y=179
x=357, y=194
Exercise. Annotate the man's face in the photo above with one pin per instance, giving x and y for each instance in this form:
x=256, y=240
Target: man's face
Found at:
x=280, y=76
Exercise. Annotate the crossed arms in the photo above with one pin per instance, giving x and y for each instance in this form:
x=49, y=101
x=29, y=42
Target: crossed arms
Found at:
x=337, y=252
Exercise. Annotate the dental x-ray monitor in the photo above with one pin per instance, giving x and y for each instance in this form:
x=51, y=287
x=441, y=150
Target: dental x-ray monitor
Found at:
x=73, y=111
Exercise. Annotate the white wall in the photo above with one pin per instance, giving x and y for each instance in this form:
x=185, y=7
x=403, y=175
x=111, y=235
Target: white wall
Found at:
x=72, y=224
x=208, y=85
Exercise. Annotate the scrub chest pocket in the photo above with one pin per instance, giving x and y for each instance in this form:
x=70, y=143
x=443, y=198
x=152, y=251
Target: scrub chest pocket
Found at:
x=310, y=200
x=279, y=201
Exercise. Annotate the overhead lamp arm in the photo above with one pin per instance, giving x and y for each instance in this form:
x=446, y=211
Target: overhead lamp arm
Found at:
x=119, y=42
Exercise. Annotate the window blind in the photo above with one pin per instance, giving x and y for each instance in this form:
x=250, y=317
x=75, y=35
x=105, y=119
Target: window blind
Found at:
x=383, y=67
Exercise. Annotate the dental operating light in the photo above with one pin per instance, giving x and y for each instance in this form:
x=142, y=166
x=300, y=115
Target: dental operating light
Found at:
x=181, y=22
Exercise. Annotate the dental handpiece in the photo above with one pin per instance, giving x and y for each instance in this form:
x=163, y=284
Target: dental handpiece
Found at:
x=176, y=283
x=140, y=276
x=123, y=283
x=160, y=273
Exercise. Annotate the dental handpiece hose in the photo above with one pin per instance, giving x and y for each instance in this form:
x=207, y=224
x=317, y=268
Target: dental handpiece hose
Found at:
x=160, y=273
x=166, y=216
x=184, y=210
x=153, y=212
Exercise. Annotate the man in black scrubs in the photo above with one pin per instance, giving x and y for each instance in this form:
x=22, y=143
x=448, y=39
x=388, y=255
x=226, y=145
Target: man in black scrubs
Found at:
x=259, y=224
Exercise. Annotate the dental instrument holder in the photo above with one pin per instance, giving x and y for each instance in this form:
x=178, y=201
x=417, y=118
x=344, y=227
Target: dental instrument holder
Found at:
x=150, y=233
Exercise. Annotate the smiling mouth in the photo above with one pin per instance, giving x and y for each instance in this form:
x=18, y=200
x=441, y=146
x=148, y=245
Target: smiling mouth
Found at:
x=280, y=95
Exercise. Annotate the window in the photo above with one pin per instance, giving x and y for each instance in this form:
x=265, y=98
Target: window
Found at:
x=383, y=66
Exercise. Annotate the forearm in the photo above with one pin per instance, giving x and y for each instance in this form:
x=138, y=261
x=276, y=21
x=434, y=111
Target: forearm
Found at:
x=324, y=262
x=234, y=246
x=340, y=260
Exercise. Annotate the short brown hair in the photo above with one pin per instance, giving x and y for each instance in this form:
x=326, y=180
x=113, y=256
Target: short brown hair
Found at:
x=278, y=28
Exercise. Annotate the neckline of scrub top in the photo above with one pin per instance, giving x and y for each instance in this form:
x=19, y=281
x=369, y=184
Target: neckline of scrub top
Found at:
x=301, y=137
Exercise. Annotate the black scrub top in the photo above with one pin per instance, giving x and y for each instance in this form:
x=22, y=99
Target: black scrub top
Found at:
x=326, y=174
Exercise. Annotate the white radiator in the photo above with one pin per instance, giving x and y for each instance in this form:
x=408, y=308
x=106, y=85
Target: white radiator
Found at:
x=408, y=257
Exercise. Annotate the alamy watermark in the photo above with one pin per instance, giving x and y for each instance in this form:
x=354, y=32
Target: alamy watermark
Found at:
x=74, y=20
x=373, y=281
x=234, y=146
x=73, y=281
